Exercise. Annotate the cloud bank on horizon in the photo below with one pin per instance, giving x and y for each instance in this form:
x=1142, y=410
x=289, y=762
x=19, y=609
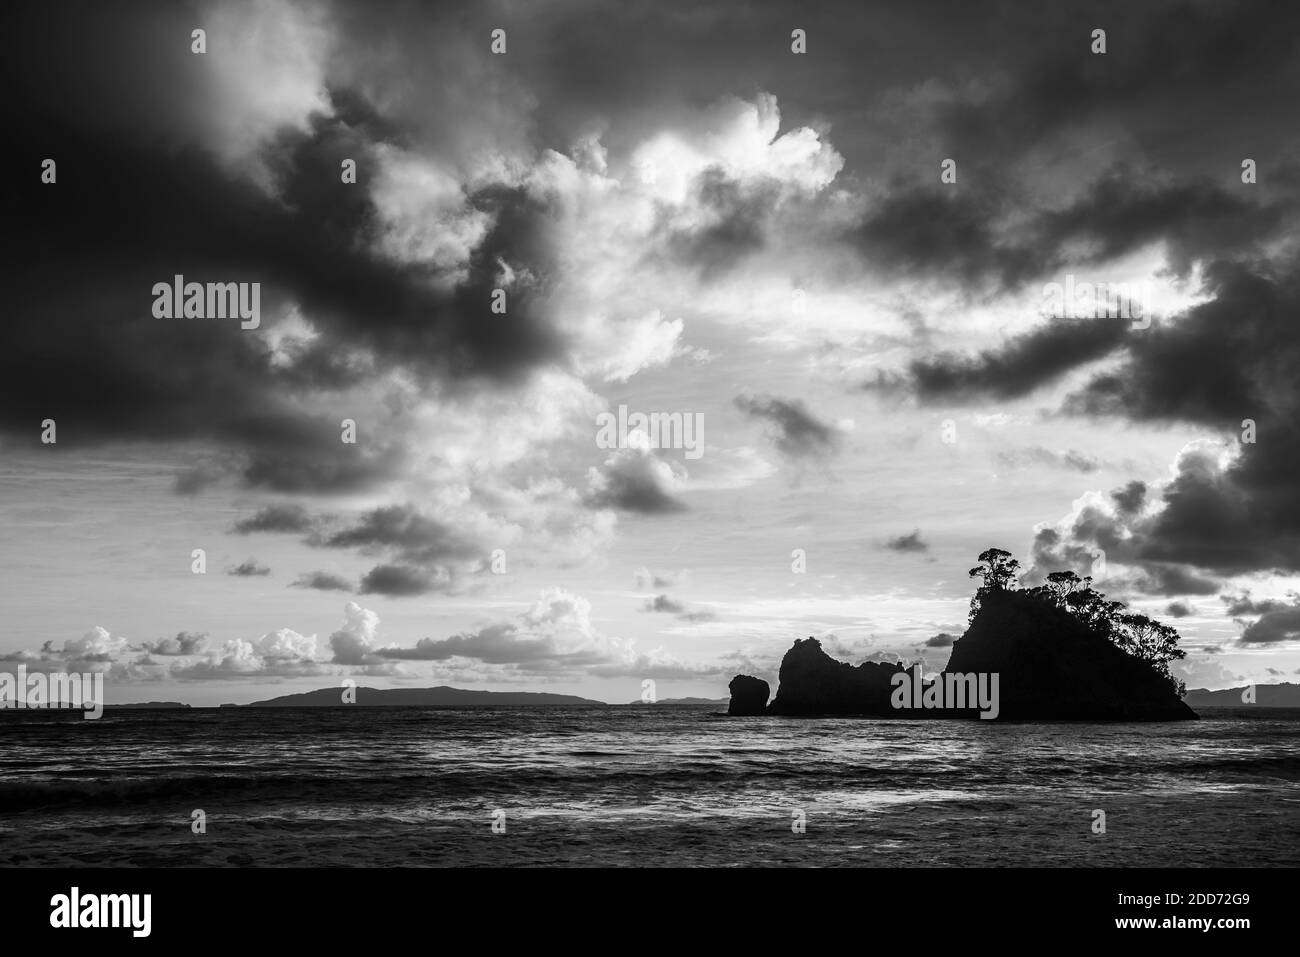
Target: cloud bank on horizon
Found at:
x=841, y=260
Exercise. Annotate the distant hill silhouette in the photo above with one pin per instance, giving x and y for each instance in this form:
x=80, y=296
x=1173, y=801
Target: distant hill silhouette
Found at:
x=1284, y=695
x=430, y=697
x=149, y=705
x=1059, y=651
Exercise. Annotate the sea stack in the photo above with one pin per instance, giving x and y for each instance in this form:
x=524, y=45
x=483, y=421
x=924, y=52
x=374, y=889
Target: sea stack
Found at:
x=812, y=683
x=748, y=696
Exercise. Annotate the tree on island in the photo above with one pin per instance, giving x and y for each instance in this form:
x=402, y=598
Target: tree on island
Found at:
x=1135, y=634
x=999, y=571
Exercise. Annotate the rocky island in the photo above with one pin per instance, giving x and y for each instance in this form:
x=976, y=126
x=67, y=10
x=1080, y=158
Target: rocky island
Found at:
x=1058, y=651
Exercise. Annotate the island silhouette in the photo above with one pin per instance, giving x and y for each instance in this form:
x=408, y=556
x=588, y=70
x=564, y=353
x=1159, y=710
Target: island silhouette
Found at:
x=1057, y=651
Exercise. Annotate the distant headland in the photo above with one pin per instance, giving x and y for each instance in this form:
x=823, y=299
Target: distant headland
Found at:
x=441, y=696
x=1283, y=695
x=1058, y=651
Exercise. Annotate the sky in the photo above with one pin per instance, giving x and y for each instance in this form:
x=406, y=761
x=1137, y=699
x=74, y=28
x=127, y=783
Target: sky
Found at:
x=833, y=240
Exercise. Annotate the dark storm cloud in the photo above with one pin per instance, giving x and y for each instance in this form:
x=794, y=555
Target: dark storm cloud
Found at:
x=137, y=202
x=1216, y=363
x=1179, y=609
x=248, y=569
x=1096, y=533
x=322, y=581
x=1215, y=520
x=1123, y=211
x=941, y=640
x=796, y=432
x=1023, y=364
x=908, y=543
x=648, y=64
x=935, y=231
x=634, y=494
x=1119, y=213
x=405, y=532
x=127, y=374
x=323, y=469
x=902, y=83
x=276, y=518
x=1174, y=580
x=1130, y=499
x=1221, y=363
x=635, y=481
x=1242, y=604
x=1159, y=58
x=991, y=240
x=1280, y=624
x=427, y=554
x=642, y=62
x=736, y=225
x=398, y=581
x=1208, y=523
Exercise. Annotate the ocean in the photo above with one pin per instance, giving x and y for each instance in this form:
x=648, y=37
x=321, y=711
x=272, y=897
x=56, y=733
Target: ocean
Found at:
x=642, y=786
